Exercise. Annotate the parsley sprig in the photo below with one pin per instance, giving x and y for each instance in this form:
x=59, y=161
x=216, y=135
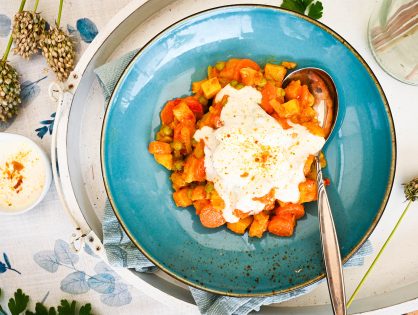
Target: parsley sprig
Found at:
x=19, y=302
x=308, y=7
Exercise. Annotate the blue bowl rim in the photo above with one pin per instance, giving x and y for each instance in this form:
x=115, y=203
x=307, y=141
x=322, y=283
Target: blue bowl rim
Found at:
x=359, y=58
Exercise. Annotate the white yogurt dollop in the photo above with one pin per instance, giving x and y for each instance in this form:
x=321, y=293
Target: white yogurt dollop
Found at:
x=251, y=153
x=22, y=175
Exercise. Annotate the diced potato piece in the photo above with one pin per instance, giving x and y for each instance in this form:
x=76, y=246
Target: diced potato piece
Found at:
x=289, y=64
x=291, y=108
x=293, y=90
x=181, y=198
x=274, y=72
x=306, y=97
x=212, y=72
x=322, y=160
x=197, y=86
x=217, y=201
x=314, y=128
x=177, y=180
x=199, y=150
x=277, y=107
x=165, y=160
x=240, y=214
x=198, y=193
x=259, y=225
x=194, y=169
x=211, y=87
x=249, y=76
x=158, y=147
x=308, y=114
x=183, y=113
x=240, y=226
x=308, y=164
x=308, y=191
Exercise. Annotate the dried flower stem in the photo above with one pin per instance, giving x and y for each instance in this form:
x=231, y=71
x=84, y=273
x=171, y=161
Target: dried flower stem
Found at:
x=378, y=255
x=59, y=13
x=9, y=44
x=22, y=5
x=36, y=6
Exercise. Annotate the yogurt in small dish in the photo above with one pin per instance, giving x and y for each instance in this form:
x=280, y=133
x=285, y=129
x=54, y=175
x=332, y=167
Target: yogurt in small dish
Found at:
x=25, y=174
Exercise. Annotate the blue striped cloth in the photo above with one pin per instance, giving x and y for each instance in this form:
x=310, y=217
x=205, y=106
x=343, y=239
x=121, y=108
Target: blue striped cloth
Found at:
x=121, y=252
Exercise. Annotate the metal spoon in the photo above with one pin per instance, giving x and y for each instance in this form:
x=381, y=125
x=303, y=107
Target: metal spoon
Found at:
x=322, y=87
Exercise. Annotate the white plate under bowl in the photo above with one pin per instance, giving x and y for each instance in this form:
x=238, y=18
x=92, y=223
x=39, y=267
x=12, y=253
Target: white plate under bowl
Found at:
x=79, y=181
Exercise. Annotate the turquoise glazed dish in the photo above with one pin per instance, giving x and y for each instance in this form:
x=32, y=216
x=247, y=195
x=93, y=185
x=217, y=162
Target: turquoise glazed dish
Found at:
x=361, y=152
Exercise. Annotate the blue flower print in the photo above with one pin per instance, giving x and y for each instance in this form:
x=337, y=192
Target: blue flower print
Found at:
x=6, y=265
x=104, y=280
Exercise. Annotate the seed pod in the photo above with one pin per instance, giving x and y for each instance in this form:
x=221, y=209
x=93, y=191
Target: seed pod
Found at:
x=9, y=91
x=57, y=45
x=28, y=28
x=411, y=189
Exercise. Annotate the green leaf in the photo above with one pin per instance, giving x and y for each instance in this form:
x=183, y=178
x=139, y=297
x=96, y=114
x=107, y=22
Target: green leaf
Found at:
x=315, y=10
x=294, y=5
x=301, y=6
x=40, y=309
x=19, y=303
x=306, y=3
x=66, y=309
x=85, y=310
x=1, y=308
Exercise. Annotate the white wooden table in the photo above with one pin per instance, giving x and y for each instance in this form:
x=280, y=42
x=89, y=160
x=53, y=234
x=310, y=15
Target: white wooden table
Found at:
x=25, y=238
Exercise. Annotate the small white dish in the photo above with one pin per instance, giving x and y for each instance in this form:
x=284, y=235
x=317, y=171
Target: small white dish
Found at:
x=25, y=174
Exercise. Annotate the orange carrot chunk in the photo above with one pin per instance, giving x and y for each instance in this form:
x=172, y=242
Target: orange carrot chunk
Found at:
x=211, y=218
x=166, y=115
x=297, y=210
x=282, y=225
x=268, y=93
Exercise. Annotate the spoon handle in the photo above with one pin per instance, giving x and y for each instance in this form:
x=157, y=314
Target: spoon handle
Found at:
x=330, y=247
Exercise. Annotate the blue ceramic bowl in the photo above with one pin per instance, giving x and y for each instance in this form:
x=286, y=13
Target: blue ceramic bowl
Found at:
x=360, y=153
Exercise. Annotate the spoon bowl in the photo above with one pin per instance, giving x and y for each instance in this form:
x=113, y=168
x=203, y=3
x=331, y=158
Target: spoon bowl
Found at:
x=322, y=87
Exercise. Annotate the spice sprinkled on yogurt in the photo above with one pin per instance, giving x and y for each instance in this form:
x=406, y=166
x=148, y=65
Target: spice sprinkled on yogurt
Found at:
x=22, y=175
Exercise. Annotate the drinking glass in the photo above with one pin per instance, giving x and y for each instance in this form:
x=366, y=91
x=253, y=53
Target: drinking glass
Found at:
x=393, y=38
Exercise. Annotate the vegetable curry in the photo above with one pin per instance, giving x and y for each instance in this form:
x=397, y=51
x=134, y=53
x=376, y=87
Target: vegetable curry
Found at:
x=175, y=148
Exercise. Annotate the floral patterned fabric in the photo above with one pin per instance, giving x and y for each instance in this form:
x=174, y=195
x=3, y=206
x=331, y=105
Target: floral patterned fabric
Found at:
x=34, y=250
